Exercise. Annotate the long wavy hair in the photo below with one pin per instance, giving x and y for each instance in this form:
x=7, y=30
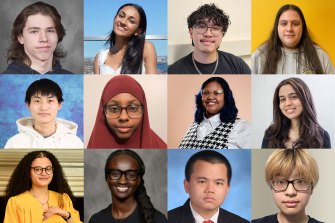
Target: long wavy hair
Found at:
x=133, y=57
x=141, y=196
x=306, y=50
x=310, y=132
x=20, y=181
x=16, y=51
x=228, y=112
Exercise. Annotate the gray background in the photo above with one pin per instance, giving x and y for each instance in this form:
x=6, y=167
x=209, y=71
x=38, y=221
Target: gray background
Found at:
x=321, y=203
x=97, y=193
x=72, y=20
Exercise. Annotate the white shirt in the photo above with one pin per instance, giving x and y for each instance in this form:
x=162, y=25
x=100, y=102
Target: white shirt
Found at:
x=199, y=219
x=207, y=125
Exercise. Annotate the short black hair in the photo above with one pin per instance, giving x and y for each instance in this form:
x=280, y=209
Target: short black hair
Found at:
x=211, y=13
x=44, y=87
x=207, y=156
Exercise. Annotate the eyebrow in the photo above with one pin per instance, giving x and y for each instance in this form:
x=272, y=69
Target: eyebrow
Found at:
x=281, y=96
x=49, y=96
x=131, y=17
x=39, y=28
x=205, y=178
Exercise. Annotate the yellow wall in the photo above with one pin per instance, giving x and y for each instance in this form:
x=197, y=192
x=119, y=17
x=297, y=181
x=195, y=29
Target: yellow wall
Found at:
x=319, y=17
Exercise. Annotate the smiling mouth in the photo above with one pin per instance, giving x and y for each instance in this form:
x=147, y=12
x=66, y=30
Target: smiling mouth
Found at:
x=122, y=189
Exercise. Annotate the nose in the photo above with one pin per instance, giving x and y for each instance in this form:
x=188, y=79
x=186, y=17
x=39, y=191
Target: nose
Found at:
x=123, y=178
x=43, y=36
x=208, y=32
x=288, y=102
x=289, y=26
x=44, y=105
x=124, y=115
x=209, y=187
x=290, y=191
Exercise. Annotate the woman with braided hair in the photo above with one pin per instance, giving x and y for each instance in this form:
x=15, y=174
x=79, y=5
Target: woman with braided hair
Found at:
x=124, y=172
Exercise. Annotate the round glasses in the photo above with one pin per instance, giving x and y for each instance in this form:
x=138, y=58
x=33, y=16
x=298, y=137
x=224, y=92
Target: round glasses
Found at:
x=298, y=184
x=114, y=111
x=39, y=170
x=202, y=29
x=206, y=94
x=116, y=174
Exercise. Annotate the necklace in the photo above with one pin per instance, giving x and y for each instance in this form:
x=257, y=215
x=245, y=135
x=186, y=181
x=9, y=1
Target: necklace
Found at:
x=216, y=65
x=42, y=203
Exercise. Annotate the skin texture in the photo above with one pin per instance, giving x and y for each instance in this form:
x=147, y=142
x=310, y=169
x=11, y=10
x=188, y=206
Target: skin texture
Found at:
x=290, y=105
x=44, y=179
x=212, y=104
x=290, y=29
x=39, y=39
x=205, y=45
x=124, y=126
x=291, y=203
x=208, y=187
x=44, y=110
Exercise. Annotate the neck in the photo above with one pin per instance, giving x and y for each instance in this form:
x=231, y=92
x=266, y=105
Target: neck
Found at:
x=297, y=218
x=41, y=67
x=205, y=58
x=123, y=208
x=206, y=214
x=120, y=45
x=294, y=125
x=45, y=129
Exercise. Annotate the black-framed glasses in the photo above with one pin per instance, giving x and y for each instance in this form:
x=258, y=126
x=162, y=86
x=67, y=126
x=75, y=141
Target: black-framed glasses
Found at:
x=298, y=184
x=114, y=174
x=216, y=93
x=39, y=170
x=114, y=111
x=202, y=29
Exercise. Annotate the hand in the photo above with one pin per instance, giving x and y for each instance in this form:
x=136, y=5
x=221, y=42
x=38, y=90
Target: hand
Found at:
x=55, y=210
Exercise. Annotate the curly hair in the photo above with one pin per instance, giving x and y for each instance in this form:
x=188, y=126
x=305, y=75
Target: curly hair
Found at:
x=305, y=46
x=209, y=13
x=141, y=196
x=229, y=110
x=20, y=181
x=133, y=57
x=310, y=132
x=16, y=51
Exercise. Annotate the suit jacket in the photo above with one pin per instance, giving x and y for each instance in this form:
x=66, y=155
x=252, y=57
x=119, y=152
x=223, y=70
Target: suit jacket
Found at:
x=183, y=214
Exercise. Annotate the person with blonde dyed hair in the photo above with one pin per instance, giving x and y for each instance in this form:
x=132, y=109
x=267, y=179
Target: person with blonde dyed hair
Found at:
x=292, y=175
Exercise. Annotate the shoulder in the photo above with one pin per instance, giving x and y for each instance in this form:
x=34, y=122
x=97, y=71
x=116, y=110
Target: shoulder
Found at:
x=102, y=215
x=20, y=140
x=242, y=123
x=238, y=63
x=176, y=214
x=266, y=219
x=313, y=220
x=180, y=65
x=148, y=46
x=231, y=217
x=159, y=217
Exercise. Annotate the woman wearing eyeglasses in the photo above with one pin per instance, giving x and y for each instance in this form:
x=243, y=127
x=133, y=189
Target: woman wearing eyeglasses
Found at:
x=215, y=123
x=292, y=174
x=38, y=192
x=124, y=172
x=122, y=120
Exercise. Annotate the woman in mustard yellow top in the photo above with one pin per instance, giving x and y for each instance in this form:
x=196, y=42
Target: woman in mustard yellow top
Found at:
x=38, y=192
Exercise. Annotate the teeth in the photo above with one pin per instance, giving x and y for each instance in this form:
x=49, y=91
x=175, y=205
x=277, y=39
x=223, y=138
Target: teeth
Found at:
x=122, y=189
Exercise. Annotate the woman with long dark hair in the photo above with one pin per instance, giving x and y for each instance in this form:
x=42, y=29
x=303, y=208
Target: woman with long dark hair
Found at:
x=124, y=172
x=294, y=119
x=215, y=123
x=38, y=192
x=290, y=49
x=128, y=52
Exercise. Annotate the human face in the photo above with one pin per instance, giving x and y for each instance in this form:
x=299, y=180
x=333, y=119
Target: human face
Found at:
x=213, y=104
x=123, y=188
x=206, y=42
x=44, y=109
x=123, y=126
x=292, y=202
x=290, y=29
x=289, y=103
x=44, y=179
x=39, y=38
x=126, y=22
x=208, y=187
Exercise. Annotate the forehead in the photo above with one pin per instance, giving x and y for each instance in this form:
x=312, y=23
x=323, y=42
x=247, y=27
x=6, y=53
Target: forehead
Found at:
x=290, y=15
x=123, y=162
x=39, y=21
x=286, y=89
x=43, y=161
x=130, y=11
x=213, y=85
x=123, y=98
x=209, y=170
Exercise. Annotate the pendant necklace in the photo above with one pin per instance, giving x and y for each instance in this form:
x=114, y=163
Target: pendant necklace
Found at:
x=216, y=65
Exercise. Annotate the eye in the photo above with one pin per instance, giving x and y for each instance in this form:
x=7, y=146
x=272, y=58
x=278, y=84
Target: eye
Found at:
x=279, y=182
x=201, y=181
x=113, y=108
x=281, y=100
x=34, y=31
x=132, y=108
x=38, y=169
x=219, y=183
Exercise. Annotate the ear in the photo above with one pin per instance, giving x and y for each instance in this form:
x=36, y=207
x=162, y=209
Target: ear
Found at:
x=190, y=31
x=59, y=106
x=138, y=31
x=187, y=186
x=27, y=105
x=20, y=39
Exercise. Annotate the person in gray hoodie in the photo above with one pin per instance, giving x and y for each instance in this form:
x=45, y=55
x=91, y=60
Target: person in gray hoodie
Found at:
x=44, y=99
x=290, y=49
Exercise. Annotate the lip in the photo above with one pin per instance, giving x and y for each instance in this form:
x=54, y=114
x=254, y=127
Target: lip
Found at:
x=43, y=48
x=291, y=204
x=290, y=110
x=121, y=28
x=122, y=189
x=44, y=114
x=209, y=199
x=123, y=129
x=207, y=41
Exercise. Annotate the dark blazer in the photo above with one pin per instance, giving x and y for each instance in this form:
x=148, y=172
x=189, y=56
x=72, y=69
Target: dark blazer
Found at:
x=183, y=214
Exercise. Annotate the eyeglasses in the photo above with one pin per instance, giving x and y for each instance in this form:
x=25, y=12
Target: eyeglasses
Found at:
x=116, y=174
x=298, y=184
x=206, y=94
x=114, y=111
x=202, y=29
x=39, y=170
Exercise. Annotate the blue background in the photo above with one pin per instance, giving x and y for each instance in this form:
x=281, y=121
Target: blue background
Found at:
x=12, y=105
x=238, y=199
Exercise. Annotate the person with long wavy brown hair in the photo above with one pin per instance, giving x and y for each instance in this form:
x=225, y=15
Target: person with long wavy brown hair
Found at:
x=294, y=122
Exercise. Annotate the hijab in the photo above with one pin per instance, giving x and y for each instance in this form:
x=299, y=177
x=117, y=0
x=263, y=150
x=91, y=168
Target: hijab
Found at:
x=143, y=136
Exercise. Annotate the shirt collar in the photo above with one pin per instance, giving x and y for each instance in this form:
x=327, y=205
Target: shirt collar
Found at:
x=199, y=219
x=214, y=120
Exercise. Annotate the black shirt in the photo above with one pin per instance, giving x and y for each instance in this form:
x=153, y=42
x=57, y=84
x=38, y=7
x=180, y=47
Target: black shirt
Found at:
x=17, y=67
x=273, y=219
